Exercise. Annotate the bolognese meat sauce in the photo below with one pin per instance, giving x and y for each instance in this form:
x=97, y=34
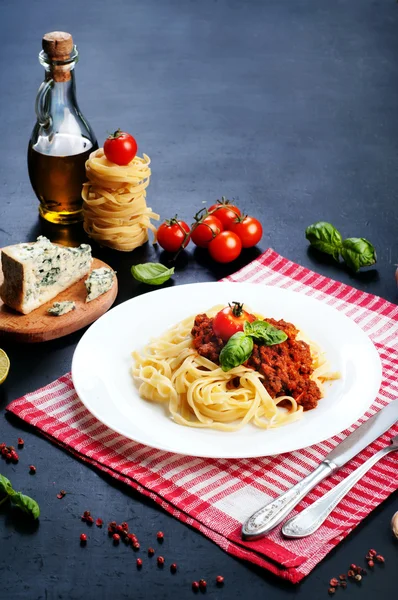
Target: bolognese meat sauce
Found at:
x=286, y=367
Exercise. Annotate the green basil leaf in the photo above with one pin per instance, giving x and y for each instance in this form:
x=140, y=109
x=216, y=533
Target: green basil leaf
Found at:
x=324, y=237
x=358, y=252
x=151, y=273
x=266, y=333
x=236, y=351
x=25, y=503
x=5, y=486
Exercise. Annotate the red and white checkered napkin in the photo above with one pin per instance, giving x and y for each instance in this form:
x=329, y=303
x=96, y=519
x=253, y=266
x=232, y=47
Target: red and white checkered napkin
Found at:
x=216, y=496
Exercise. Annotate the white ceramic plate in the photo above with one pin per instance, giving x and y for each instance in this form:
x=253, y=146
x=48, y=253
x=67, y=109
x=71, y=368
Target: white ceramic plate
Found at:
x=102, y=361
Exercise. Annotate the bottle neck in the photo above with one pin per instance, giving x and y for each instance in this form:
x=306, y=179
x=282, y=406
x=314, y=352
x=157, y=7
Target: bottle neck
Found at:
x=61, y=93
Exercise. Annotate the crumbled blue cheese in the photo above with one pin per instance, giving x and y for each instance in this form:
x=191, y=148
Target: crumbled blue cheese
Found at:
x=99, y=281
x=61, y=308
x=37, y=272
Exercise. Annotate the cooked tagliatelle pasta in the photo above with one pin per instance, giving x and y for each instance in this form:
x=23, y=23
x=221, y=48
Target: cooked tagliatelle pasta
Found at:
x=198, y=393
x=114, y=206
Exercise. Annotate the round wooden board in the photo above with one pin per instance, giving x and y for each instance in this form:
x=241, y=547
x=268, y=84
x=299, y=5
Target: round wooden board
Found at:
x=40, y=326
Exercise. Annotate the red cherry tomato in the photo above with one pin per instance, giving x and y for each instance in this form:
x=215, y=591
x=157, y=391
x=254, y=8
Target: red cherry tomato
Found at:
x=225, y=247
x=205, y=230
x=120, y=148
x=225, y=212
x=249, y=230
x=173, y=234
x=230, y=320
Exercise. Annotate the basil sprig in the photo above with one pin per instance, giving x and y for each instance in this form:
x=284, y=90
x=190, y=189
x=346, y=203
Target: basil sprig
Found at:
x=356, y=252
x=236, y=351
x=240, y=345
x=324, y=237
x=265, y=333
x=151, y=273
x=25, y=503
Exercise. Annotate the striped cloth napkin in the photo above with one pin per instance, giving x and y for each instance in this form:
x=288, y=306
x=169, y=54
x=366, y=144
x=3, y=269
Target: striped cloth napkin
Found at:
x=216, y=496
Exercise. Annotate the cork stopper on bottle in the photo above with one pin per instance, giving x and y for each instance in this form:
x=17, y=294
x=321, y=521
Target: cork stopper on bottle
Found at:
x=58, y=45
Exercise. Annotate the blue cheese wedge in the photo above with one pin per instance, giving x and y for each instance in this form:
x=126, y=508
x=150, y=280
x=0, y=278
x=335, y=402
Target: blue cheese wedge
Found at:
x=98, y=282
x=61, y=308
x=37, y=272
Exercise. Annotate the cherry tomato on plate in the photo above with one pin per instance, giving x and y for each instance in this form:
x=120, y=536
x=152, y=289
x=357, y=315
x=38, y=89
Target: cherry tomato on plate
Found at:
x=120, y=148
x=173, y=234
x=248, y=229
x=225, y=212
x=205, y=230
x=230, y=320
x=225, y=247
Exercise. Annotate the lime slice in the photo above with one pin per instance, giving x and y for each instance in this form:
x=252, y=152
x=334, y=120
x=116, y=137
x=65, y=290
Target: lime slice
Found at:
x=4, y=366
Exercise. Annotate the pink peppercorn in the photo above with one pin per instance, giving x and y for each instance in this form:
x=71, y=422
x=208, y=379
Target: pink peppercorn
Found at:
x=116, y=538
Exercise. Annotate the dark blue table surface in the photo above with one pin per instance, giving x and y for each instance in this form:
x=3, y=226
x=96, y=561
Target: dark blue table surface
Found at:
x=288, y=106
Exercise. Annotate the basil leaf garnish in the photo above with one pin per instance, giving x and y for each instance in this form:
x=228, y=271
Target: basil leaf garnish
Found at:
x=358, y=252
x=324, y=237
x=25, y=503
x=151, y=273
x=266, y=333
x=238, y=349
x=5, y=486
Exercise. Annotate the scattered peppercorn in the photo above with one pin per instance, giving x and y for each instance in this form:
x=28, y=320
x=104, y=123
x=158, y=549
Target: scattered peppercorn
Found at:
x=61, y=494
x=112, y=524
x=116, y=538
x=83, y=539
x=358, y=577
x=372, y=552
x=21, y=443
x=333, y=582
x=342, y=577
x=220, y=580
x=151, y=551
x=136, y=545
x=125, y=526
x=353, y=567
x=160, y=536
x=331, y=591
x=14, y=456
x=195, y=586
x=173, y=568
x=160, y=561
x=99, y=522
x=371, y=564
x=380, y=558
x=343, y=585
x=32, y=469
x=139, y=563
x=120, y=529
x=351, y=573
x=89, y=520
x=202, y=584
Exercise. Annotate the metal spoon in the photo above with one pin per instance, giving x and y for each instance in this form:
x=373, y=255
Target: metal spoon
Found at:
x=311, y=518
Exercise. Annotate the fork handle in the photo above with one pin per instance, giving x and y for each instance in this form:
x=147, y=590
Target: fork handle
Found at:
x=270, y=515
x=312, y=517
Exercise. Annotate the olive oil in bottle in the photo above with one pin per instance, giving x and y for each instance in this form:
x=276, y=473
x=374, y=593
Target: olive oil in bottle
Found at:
x=61, y=140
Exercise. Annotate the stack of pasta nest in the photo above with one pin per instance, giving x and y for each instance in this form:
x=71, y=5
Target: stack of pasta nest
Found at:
x=114, y=202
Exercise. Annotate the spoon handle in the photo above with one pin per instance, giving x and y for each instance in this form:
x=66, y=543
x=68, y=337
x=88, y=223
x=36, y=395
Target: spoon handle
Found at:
x=312, y=517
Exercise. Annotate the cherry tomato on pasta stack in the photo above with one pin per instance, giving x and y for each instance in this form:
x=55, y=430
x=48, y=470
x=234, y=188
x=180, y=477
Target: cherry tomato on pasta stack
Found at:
x=248, y=229
x=120, y=148
x=225, y=247
x=205, y=230
x=230, y=320
x=173, y=234
x=225, y=211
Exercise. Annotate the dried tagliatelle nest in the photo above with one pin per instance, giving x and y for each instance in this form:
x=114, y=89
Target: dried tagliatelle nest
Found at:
x=114, y=202
x=394, y=524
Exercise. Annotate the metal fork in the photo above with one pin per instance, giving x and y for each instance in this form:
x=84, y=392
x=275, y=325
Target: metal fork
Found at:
x=308, y=521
